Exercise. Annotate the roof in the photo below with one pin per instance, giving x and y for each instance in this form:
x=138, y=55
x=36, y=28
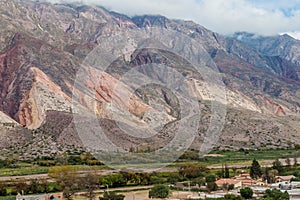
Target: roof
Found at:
x=244, y=175
x=286, y=178
x=249, y=181
x=229, y=181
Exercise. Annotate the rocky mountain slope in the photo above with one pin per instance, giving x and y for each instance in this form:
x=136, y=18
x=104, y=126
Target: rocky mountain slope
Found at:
x=43, y=46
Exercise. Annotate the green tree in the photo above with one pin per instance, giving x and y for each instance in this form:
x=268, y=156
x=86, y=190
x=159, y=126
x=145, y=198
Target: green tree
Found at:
x=266, y=198
x=246, y=192
x=223, y=171
x=232, y=197
x=211, y=186
x=278, y=166
x=112, y=196
x=113, y=180
x=159, y=191
x=34, y=186
x=22, y=188
x=210, y=182
x=276, y=194
x=295, y=162
x=210, y=178
x=3, y=191
x=67, y=179
x=227, y=174
x=255, y=170
x=270, y=175
x=227, y=187
x=193, y=171
x=288, y=162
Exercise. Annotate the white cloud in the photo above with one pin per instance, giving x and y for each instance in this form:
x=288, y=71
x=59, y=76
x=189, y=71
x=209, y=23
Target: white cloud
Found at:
x=223, y=16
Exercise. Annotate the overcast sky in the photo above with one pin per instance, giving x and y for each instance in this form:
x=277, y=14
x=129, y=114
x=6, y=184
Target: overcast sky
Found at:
x=266, y=17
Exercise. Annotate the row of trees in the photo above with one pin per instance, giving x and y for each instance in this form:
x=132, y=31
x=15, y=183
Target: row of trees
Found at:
x=67, y=159
x=70, y=181
x=33, y=187
x=268, y=173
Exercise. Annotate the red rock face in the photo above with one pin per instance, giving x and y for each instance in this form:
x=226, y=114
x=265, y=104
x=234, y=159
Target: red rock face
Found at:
x=108, y=90
x=276, y=108
x=15, y=78
x=25, y=117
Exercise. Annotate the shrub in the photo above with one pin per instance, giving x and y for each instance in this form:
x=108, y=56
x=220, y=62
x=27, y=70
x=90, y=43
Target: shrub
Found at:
x=159, y=191
x=246, y=192
x=112, y=196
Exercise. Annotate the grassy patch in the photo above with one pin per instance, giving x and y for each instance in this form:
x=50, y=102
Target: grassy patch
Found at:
x=21, y=171
x=8, y=198
x=239, y=157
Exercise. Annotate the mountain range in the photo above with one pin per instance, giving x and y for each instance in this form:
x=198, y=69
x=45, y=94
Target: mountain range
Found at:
x=43, y=46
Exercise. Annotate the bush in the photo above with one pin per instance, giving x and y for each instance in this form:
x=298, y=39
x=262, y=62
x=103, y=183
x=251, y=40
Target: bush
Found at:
x=246, y=192
x=112, y=196
x=3, y=191
x=159, y=191
x=113, y=180
x=210, y=178
x=193, y=171
x=212, y=186
x=232, y=197
x=276, y=195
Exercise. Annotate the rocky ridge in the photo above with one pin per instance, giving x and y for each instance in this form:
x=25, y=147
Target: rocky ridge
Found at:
x=42, y=47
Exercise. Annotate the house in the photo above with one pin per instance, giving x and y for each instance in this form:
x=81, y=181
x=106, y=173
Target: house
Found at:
x=223, y=181
x=294, y=194
x=295, y=184
x=249, y=182
x=278, y=185
x=259, y=191
x=284, y=178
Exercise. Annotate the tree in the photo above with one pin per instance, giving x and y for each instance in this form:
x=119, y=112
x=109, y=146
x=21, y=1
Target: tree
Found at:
x=34, y=186
x=113, y=180
x=270, y=175
x=276, y=194
x=22, y=188
x=227, y=187
x=44, y=186
x=90, y=182
x=255, y=169
x=211, y=186
x=278, y=166
x=232, y=197
x=227, y=175
x=210, y=178
x=112, y=196
x=66, y=177
x=193, y=171
x=295, y=162
x=234, y=169
x=159, y=191
x=246, y=192
x=288, y=162
x=3, y=191
x=223, y=171
x=210, y=183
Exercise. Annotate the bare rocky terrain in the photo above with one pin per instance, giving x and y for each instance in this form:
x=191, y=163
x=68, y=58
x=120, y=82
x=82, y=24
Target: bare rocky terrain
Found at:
x=43, y=47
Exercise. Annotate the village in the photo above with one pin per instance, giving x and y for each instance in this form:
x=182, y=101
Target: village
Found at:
x=258, y=186
x=213, y=188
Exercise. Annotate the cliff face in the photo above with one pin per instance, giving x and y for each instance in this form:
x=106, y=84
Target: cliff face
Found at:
x=43, y=46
